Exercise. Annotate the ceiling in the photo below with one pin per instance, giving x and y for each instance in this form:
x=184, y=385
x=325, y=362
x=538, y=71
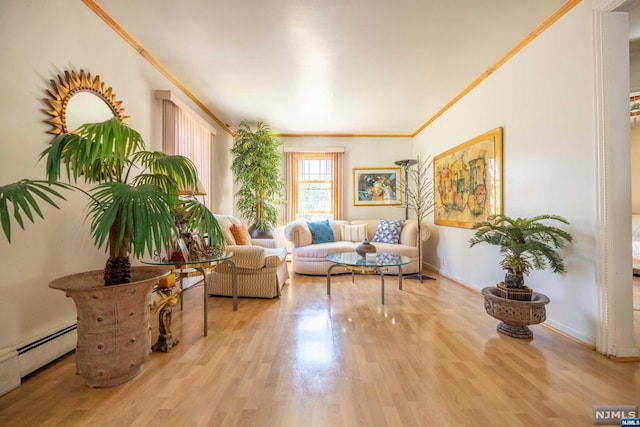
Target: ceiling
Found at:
x=356, y=67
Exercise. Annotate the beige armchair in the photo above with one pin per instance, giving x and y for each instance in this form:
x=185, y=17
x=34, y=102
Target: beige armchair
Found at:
x=261, y=266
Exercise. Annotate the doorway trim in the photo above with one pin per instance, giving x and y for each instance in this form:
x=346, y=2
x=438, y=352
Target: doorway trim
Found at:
x=615, y=335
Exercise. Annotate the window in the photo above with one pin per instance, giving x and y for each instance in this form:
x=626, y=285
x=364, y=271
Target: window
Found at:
x=186, y=134
x=314, y=185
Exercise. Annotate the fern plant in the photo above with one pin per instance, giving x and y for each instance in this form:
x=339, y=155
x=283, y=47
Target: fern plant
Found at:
x=134, y=197
x=525, y=244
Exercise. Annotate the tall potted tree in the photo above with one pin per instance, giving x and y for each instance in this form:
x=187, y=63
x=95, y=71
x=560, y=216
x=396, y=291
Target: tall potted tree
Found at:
x=525, y=244
x=129, y=215
x=256, y=168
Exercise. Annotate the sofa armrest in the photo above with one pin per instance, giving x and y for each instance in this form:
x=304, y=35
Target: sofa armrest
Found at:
x=425, y=232
x=247, y=256
x=273, y=257
x=409, y=233
x=298, y=233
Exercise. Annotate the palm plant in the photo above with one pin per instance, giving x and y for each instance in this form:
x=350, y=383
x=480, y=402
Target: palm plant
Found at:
x=131, y=206
x=525, y=244
x=256, y=167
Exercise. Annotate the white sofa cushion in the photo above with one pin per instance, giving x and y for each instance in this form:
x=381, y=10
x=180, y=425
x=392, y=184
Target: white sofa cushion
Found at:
x=397, y=249
x=320, y=251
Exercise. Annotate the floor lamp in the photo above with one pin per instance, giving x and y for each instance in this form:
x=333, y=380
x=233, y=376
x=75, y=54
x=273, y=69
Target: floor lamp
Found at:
x=406, y=164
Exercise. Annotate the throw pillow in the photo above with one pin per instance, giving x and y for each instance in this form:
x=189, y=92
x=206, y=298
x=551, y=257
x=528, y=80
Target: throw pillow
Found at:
x=353, y=233
x=388, y=231
x=321, y=232
x=241, y=234
x=225, y=226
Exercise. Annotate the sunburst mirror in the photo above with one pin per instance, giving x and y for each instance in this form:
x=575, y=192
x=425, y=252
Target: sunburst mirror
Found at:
x=79, y=98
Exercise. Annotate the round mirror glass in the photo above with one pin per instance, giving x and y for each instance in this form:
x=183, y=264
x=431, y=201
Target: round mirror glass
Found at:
x=85, y=107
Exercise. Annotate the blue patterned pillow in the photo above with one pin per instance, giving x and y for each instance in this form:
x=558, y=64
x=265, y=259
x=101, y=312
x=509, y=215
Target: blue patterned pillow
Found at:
x=388, y=231
x=321, y=232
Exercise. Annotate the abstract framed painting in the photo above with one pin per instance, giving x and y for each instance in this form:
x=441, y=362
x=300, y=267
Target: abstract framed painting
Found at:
x=377, y=186
x=468, y=181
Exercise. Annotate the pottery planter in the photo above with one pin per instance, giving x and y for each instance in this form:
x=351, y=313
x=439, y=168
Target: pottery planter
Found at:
x=257, y=234
x=113, y=324
x=515, y=315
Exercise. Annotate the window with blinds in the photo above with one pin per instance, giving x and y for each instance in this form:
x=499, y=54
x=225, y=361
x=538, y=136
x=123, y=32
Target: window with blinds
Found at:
x=186, y=135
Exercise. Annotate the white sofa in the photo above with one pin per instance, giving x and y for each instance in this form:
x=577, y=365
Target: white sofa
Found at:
x=308, y=258
x=261, y=267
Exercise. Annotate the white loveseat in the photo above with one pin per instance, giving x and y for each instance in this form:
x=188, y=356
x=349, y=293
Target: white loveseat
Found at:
x=309, y=258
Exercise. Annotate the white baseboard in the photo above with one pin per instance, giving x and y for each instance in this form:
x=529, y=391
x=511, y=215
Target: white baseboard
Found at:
x=576, y=335
x=46, y=347
x=9, y=371
x=34, y=353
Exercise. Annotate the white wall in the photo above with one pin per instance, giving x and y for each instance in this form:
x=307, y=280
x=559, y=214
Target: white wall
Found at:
x=362, y=153
x=543, y=98
x=40, y=39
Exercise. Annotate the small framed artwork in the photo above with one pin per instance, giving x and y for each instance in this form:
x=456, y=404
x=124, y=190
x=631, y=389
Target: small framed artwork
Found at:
x=377, y=186
x=468, y=181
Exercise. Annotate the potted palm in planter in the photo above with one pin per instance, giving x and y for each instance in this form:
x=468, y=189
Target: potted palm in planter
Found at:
x=525, y=244
x=256, y=168
x=129, y=215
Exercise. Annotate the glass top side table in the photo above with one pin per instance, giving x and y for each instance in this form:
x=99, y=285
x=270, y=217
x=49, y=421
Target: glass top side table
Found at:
x=181, y=269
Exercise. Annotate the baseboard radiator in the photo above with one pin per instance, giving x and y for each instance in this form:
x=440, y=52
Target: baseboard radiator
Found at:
x=18, y=362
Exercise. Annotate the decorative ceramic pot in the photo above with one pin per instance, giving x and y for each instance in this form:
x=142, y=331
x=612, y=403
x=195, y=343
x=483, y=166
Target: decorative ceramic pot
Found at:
x=515, y=315
x=257, y=234
x=113, y=324
x=365, y=248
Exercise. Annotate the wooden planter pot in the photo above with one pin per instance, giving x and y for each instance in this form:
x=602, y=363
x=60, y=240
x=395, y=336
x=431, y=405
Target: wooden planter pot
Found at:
x=113, y=324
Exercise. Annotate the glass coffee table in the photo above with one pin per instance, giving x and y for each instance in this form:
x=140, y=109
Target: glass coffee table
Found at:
x=355, y=263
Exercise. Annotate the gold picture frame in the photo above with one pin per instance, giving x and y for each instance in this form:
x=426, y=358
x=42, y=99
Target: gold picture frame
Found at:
x=468, y=181
x=377, y=186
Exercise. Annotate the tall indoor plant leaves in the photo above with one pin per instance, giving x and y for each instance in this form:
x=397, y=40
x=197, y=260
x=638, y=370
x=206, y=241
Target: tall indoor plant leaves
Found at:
x=525, y=243
x=256, y=168
x=132, y=202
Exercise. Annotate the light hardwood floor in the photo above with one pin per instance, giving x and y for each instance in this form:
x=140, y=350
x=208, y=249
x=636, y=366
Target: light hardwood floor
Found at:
x=429, y=357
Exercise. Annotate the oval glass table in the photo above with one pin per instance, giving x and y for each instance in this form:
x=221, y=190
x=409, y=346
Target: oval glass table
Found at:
x=202, y=266
x=355, y=263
